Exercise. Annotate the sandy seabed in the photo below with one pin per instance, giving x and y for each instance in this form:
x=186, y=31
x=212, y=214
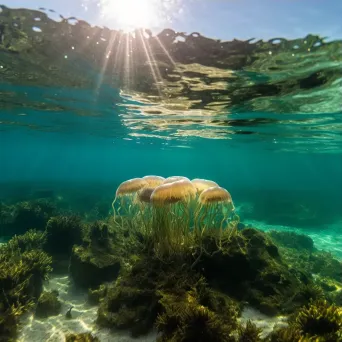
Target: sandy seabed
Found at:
x=54, y=328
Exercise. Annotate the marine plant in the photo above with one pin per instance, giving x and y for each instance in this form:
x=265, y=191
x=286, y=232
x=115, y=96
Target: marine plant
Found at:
x=48, y=304
x=285, y=334
x=62, y=232
x=319, y=320
x=184, y=319
x=249, y=333
x=21, y=281
x=32, y=239
x=22, y=216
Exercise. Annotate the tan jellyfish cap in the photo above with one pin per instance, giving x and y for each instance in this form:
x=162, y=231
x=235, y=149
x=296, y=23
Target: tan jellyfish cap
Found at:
x=144, y=194
x=175, y=179
x=215, y=194
x=154, y=181
x=173, y=192
x=130, y=186
x=203, y=184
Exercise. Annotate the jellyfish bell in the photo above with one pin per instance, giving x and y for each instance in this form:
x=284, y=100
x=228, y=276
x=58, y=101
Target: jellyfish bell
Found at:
x=203, y=184
x=131, y=186
x=144, y=194
x=175, y=179
x=215, y=194
x=180, y=190
x=153, y=181
x=127, y=190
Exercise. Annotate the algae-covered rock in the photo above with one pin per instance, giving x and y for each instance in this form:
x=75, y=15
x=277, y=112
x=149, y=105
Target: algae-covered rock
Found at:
x=128, y=308
x=94, y=295
x=48, y=304
x=82, y=337
x=97, y=260
x=292, y=240
x=184, y=318
x=320, y=320
x=22, y=216
x=9, y=320
x=32, y=239
x=248, y=266
x=90, y=268
x=22, y=274
x=62, y=233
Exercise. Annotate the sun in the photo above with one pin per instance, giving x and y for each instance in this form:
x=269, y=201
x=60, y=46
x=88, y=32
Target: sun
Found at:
x=132, y=14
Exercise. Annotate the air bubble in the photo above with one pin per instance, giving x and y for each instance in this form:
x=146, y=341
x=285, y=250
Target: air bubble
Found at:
x=36, y=29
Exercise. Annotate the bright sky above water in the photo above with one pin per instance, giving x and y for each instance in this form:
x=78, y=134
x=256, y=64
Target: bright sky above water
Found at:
x=223, y=19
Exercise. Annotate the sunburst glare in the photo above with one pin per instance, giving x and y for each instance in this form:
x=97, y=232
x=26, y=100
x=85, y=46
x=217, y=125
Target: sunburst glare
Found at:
x=132, y=14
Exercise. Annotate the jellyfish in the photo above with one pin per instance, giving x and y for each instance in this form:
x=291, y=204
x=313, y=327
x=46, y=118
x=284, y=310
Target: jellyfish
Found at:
x=143, y=201
x=203, y=184
x=215, y=206
x=171, y=215
x=126, y=192
x=144, y=195
x=175, y=179
x=172, y=192
x=154, y=181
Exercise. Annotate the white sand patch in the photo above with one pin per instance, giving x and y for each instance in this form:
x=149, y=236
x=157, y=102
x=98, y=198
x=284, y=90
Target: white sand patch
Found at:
x=262, y=321
x=52, y=329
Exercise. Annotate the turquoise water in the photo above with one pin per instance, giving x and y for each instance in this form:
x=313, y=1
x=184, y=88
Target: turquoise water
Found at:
x=61, y=151
x=260, y=118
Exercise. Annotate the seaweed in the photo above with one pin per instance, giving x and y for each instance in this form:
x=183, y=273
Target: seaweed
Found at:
x=292, y=240
x=22, y=216
x=249, y=333
x=62, y=233
x=21, y=282
x=249, y=268
x=320, y=320
x=183, y=318
x=48, y=304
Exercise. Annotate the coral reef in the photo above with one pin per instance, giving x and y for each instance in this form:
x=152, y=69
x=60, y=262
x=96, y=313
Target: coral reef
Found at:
x=90, y=269
x=32, y=239
x=301, y=254
x=249, y=267
x=197, y=315
x=62, y=233
x=22, y=273
x=97, y=260
x=48, y=304
x=292, y=240
x=22, y=216
x=94, y=295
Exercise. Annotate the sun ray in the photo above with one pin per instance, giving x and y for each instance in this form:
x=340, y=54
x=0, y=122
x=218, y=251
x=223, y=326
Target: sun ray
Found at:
x=152, y=62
